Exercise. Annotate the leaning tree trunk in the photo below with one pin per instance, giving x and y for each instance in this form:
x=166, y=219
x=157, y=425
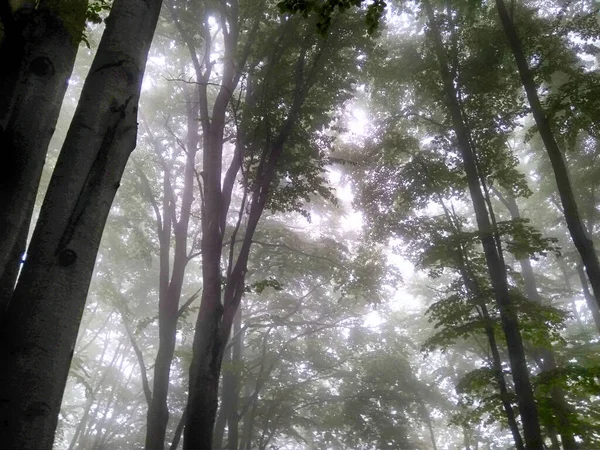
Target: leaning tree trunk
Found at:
x=497, y=271
x=579, y=235
x=41, y=324
x=38, y=54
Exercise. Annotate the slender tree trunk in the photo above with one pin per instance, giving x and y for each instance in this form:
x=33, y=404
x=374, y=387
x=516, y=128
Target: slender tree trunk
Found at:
x=429, y=424
x=590, y=300
x=579, y=235
x=178, y=432
x=567, y=280
x=501, y=380
x=38, y=57
x=545, y=356
x=41, y=324
x=170, y=291
x=510, y=325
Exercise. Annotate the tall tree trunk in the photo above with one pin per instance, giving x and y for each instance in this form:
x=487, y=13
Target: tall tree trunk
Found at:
x=218, y=309
x=38, y=53
x=579, y=235
x=170, y=290
x=497, y=271
x=41, y=324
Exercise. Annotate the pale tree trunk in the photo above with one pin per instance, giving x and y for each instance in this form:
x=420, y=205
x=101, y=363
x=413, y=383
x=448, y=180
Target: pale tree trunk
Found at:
x=170, y=289
x=38, y=54
x=41, y=324
x=497, y=271
x=579, y=235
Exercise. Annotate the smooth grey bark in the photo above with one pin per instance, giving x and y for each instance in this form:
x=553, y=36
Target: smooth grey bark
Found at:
x=38, y=54
x=579, y=234
x=41, y=324
x=497, y=271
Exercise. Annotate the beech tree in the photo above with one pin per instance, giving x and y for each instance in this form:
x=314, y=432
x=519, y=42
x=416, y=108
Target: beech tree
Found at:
x=38, y=48
x=40, y=326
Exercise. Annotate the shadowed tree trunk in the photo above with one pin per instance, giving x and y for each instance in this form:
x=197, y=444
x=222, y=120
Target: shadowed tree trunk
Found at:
x=579, y=235
x=38, y=53
x=497, y=271
x=40, y=327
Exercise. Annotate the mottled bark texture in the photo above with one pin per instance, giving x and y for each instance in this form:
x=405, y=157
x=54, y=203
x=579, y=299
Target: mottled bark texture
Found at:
x=40, y=326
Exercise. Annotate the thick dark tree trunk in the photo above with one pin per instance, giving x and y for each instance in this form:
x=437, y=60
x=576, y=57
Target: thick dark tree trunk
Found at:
x=38, y=57
x=497, y=271
x=579, y=235
x=40, y=327
x=9, y=277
